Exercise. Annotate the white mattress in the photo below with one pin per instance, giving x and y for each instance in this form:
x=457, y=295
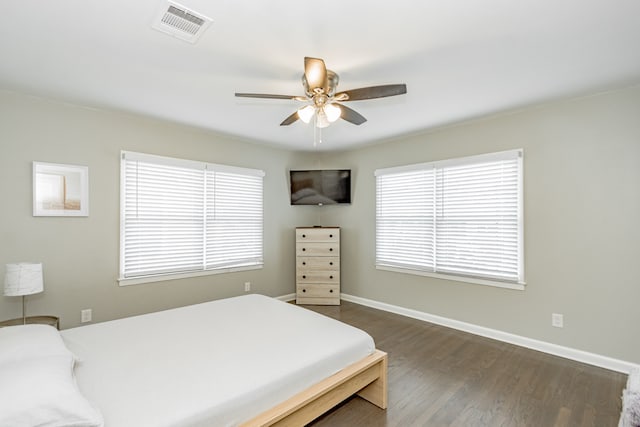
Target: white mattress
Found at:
x=217, y=363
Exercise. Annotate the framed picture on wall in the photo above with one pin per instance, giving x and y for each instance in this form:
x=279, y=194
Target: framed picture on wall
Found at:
x=60, y=190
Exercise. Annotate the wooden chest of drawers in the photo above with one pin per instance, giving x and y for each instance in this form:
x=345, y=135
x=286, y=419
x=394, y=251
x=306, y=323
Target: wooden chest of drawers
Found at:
x=318, y=265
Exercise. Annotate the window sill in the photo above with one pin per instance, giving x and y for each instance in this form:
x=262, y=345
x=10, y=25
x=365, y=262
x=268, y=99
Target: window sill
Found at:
x=176, y=276
x=477, y=281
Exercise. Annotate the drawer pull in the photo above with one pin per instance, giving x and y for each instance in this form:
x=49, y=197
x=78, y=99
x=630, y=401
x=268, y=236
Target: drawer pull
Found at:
x=330, y=262
x=304, y=290
x=304, y=277
x=330, y=249
x=330, y=235
x=304, y=249
x=304, y=235
x=304, y=263
x=331, y=291
x=330, y=277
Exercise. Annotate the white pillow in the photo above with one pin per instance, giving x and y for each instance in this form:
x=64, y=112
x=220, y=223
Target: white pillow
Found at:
x=42, y=392
x=27, y=341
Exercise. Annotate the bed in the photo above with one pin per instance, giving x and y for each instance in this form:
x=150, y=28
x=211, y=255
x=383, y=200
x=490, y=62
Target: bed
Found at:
x=243, y=361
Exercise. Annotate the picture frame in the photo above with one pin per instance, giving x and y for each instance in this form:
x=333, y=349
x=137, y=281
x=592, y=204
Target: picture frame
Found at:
x=60, y=190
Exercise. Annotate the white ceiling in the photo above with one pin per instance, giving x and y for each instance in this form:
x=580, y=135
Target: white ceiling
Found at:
x=460, y=59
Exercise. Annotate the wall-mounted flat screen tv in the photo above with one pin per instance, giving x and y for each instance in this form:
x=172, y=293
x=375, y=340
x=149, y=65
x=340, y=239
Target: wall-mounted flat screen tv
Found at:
x=320, y=187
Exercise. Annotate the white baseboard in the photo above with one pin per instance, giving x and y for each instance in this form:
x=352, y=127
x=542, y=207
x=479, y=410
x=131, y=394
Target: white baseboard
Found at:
x=288, y=297
x=557, y=350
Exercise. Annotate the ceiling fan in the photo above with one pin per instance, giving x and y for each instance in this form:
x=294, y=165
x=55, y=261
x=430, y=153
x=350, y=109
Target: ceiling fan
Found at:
x=322, y=101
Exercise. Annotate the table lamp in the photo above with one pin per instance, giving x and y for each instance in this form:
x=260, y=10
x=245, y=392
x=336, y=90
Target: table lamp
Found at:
x=23, y=279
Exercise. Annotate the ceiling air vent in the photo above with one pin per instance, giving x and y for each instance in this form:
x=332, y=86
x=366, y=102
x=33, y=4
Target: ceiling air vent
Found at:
x=178, y=21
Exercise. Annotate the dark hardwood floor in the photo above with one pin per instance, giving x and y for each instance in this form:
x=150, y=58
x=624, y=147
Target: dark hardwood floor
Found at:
x=443, y=377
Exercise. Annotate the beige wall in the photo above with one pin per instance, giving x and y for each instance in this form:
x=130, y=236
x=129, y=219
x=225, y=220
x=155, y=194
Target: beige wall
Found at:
x=80, y=255
x=582, y=230
x=582, y=204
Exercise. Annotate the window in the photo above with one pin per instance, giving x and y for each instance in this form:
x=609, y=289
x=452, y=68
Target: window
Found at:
x=181, y=218
x=458, y=218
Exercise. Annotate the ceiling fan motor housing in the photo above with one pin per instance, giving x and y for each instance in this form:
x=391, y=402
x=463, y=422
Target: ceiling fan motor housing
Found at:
x=329, y=88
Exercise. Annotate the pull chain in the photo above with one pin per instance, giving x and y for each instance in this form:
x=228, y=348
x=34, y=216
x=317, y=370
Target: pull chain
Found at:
x=317, y=132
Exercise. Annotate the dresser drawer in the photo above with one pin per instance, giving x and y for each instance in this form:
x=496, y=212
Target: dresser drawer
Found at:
x=318, y=291
x=317, y=276
x=318, y=301
x=318, y=263
x=317, y=234
x=318, y=249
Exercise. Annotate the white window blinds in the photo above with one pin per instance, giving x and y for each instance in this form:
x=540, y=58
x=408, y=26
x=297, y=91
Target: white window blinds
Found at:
x=405, y=219
x=180, y=216
x=233, y=220
x=457, y=217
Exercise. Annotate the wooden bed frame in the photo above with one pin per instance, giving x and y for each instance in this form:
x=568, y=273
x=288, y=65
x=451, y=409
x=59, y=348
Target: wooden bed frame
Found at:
x=366, y=378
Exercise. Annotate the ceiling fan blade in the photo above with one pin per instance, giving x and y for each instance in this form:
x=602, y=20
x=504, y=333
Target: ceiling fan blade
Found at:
x=373, y=92
x=316, y=74
x=350, y=115
x=291, y=119
x=265, y=95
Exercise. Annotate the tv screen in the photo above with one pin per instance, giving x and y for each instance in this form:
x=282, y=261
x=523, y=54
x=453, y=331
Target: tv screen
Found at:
x=320, y=187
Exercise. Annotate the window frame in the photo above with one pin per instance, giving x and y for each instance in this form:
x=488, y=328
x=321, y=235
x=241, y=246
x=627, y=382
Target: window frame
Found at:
x=516, y=154
x=189, y=164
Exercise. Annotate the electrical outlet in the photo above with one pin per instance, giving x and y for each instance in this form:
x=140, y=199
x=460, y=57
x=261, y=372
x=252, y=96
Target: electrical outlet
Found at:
x=85, y=315
x=557, y=320
x=247, y=286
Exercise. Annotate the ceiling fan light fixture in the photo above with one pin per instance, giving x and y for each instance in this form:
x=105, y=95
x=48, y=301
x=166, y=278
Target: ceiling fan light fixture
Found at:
x=306, y=113
x=321, y=119
x=332, y=112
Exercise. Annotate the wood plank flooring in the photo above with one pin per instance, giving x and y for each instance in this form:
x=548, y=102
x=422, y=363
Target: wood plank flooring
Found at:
x=443, y=377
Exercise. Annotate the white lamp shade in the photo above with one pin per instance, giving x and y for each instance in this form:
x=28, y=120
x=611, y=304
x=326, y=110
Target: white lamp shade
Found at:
x=321, y=119
x=332, y=112
x=23, y=279
x=305, y=113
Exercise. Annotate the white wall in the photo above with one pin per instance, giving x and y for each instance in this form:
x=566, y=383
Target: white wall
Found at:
x=80, y=255
x=581, y=212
